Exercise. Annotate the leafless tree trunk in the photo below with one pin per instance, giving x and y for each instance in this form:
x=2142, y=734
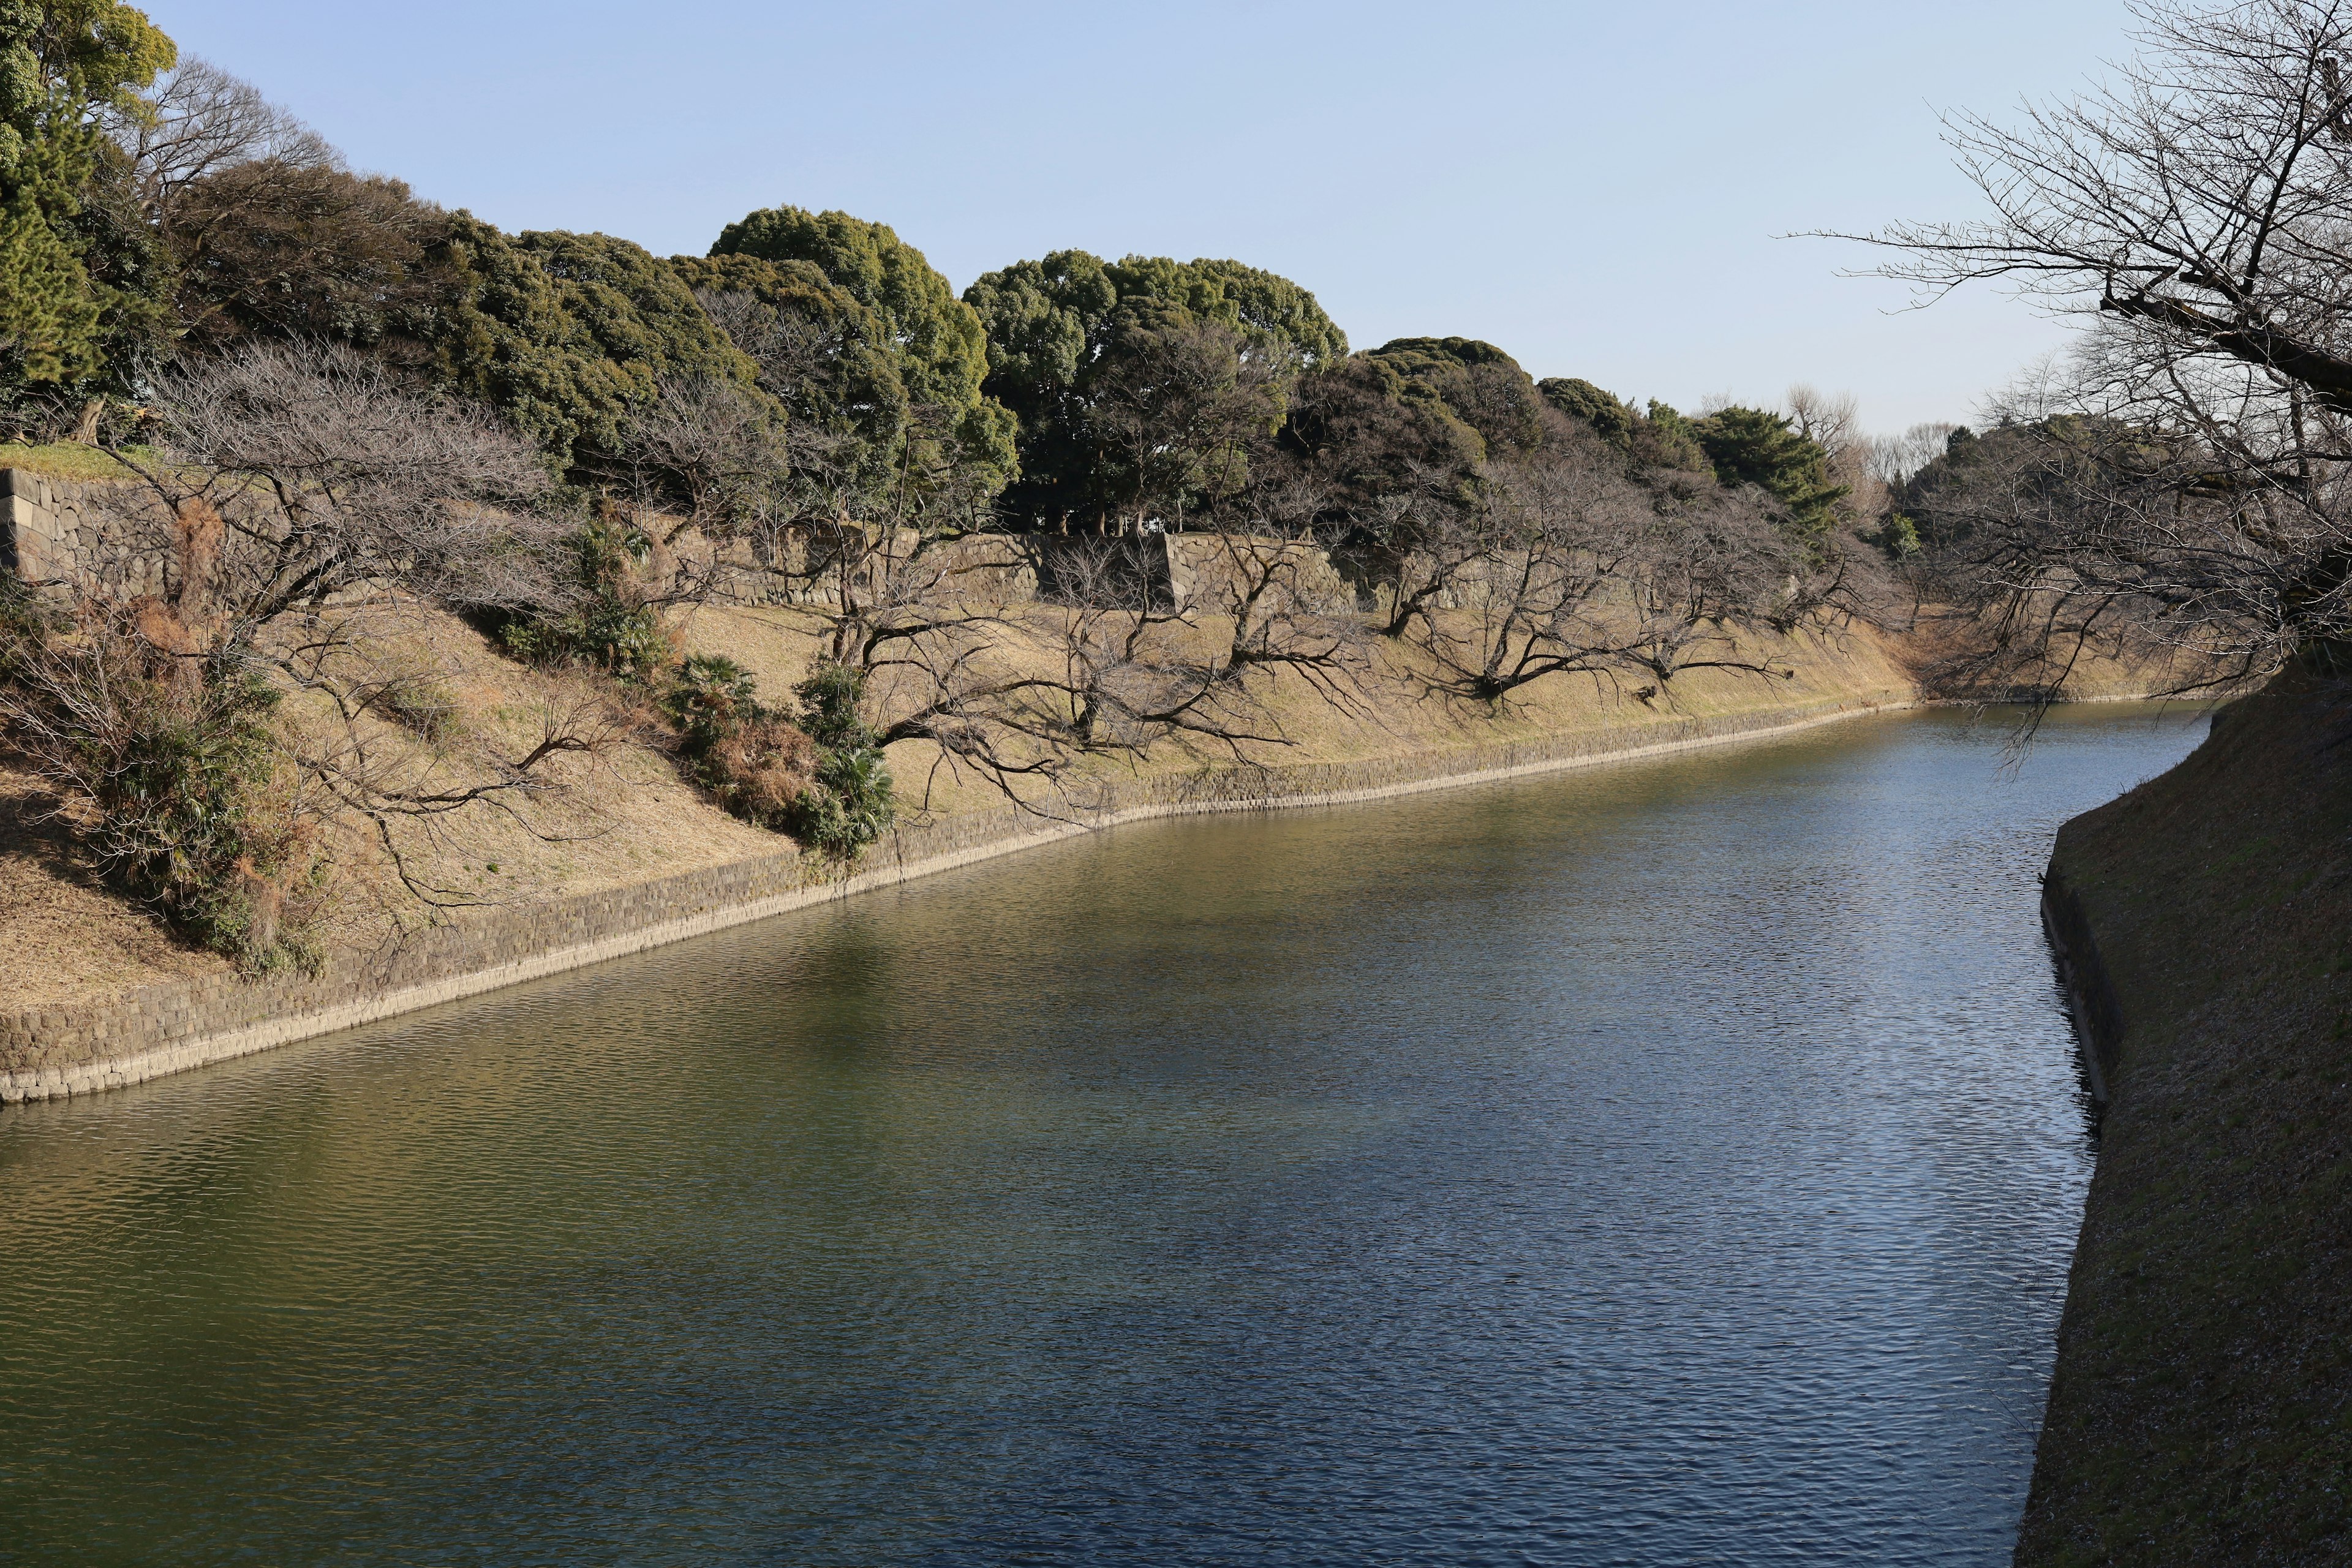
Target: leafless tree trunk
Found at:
x=2185, y=478
x=238, y=628
x=1576, y=571
x=198, y=120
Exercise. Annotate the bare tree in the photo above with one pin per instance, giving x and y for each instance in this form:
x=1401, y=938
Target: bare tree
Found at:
x=1116, y=667
x=1894, y=460
x=709, y=451
x=313, y=473
x=199, y=120
x=941, y=620
x=1832, y=423
x=1577, y=570
x=2196, y=218
x=239, y=630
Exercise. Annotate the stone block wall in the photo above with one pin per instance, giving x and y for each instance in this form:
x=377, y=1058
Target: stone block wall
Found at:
x=1212, y=569
x=790, y=571
x=62, y=531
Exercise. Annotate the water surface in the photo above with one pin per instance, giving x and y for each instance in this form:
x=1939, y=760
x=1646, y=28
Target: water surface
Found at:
x=1670, y=1162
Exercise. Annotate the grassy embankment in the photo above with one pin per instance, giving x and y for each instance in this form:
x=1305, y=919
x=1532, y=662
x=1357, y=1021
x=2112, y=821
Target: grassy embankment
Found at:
x=61, y=460
x=2199, y=1413
x=627, y=816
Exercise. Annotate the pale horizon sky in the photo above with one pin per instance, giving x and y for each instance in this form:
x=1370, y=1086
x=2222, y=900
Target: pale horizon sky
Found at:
x=1597, y=189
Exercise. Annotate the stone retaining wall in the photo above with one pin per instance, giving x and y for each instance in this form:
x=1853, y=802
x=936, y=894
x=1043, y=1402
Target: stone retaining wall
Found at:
x=52, y=1052
x=62, y=531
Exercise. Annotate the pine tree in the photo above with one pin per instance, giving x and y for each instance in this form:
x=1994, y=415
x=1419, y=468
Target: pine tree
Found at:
x=63, y=63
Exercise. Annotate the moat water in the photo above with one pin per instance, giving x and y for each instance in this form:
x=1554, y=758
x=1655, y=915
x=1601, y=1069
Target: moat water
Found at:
x=1669, y=1163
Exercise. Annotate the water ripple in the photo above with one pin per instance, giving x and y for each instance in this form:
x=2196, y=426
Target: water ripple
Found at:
x=1672, y=1163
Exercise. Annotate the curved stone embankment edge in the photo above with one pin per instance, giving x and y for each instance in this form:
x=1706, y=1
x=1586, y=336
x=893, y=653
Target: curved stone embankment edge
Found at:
x=2083, y=977
x=155, y=1030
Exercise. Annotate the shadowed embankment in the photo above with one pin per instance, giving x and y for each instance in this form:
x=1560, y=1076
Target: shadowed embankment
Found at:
x=2198, y=1412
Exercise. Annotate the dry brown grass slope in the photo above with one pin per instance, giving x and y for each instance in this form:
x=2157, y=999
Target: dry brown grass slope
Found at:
x=627, y=816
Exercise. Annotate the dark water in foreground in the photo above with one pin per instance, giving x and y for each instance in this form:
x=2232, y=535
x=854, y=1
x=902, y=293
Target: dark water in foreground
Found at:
x=1674, y=1162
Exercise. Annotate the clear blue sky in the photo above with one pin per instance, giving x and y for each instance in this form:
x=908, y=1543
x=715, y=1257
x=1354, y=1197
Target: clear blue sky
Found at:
x=1594, y=187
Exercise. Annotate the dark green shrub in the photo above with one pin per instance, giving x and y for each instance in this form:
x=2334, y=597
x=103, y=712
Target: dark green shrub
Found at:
x=757, y=763
x=1755, y=446
x=611, y=624
x=176, y=761
x=182, y=782
x=850, y=804
x=710, y=698
x=824, y=780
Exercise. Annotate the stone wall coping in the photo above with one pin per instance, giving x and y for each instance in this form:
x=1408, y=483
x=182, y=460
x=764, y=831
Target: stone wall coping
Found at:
x=154, y=1030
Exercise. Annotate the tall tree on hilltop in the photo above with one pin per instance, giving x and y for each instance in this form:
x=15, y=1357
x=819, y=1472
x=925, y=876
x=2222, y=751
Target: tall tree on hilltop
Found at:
x=76, y=266
x=568, y=333
x=830, y=361
x=1650, y=441
x=1475, y=385
x=280, y=248
x=939, y=343
x=1752, y=447
x=1067, y=329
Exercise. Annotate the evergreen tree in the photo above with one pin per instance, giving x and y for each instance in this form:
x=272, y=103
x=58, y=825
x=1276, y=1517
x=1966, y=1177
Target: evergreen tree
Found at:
x=1064, y=329
x=566, y=334
x=829, y=360
x=1473, y=384
x=1659, y=440
x=76, y=273
x=1753, y=446
x=940, y=347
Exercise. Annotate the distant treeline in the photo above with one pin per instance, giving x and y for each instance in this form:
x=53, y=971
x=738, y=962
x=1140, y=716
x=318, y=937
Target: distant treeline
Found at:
x=156, y=207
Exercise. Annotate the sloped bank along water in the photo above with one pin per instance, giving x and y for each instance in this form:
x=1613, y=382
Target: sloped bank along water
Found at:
x=1676, y=1161
x=2202, y=1407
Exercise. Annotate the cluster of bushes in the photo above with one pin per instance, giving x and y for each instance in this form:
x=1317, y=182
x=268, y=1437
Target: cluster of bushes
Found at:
x=816, y=773
x=822, y=779
x=189, y=805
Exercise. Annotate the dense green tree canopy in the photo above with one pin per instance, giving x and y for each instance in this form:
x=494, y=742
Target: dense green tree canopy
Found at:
x=832, y=363
x=1610, y=417
x=76, y=267
x=1265, y=302
x=1753, y=446
x=1659, y=440
x=944, y=353
x=1473, y=384
x=1065, y=328
x=1043, y=321
x=1356, y=436
x=567, y=333
x=939, y=345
